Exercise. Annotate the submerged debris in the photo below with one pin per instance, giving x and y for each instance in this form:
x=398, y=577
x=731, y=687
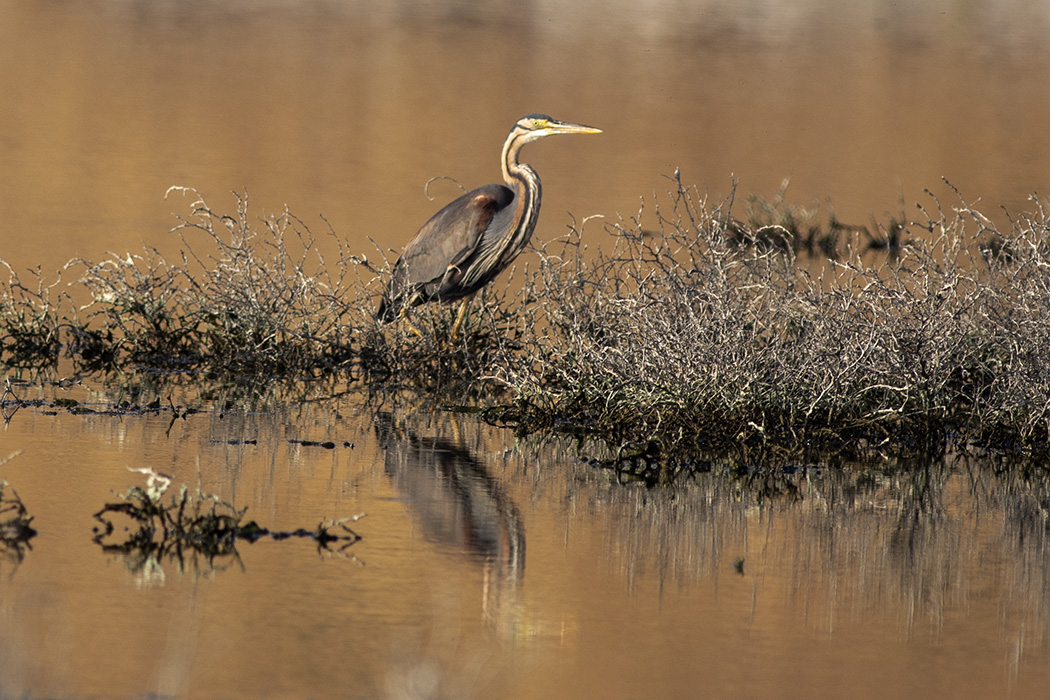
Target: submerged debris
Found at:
x=194, y=525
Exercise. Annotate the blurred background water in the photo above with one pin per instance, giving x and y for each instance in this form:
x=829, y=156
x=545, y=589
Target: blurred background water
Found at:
x=347, y=108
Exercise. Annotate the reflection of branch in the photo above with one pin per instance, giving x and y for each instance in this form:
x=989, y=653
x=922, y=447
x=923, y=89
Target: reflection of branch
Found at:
x=199, y=525
x=15, y=529
x=4, y=403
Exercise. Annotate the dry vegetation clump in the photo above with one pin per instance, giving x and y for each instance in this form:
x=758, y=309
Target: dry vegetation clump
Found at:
x=184, y=526
x=243, y=300
x=257, y=302
x=30, y=326
x=395, y=356
x=684, y=336
x=702, y=332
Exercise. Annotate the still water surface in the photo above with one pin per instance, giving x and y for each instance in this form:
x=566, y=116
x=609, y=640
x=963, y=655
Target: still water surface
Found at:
x=492, y=567
x=347, y=108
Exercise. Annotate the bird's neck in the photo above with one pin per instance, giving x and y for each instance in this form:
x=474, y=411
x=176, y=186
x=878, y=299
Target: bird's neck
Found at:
x=516, y=173
x=525, y=183
x=523, y=180
x=520, y=177
x=509, y=159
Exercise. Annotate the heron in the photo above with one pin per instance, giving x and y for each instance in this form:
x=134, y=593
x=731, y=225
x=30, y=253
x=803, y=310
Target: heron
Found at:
x=474, y=238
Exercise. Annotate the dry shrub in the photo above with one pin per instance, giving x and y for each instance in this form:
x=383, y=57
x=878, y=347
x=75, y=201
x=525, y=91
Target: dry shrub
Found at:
x=703, y=331
x=683, y=335
x=30, y=321
x=419, y=352
x=248, y=297
x=258, y=301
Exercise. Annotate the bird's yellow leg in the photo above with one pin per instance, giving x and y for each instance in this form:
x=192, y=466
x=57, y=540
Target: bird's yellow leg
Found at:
x=412, y=328
x=403, y=318
x=459, y=318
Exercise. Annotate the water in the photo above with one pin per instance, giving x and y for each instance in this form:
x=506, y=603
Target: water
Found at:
x=347, y=109
x=492, y=567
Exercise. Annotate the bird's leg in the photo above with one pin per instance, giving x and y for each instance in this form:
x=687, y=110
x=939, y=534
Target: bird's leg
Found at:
x=403, y=317
x=459, y=318
x=411, y=328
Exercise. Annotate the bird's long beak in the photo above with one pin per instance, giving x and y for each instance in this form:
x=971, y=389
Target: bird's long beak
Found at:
x=557, y=127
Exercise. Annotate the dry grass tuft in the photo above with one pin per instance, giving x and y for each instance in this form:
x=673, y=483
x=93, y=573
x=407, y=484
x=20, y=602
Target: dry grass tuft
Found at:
x=254, y=301
x=244, y=298
x=30, y=322
x=685, y=336
x=701, y=331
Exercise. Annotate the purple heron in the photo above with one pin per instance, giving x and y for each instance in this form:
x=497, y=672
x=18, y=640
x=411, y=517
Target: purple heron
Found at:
x=474, y=238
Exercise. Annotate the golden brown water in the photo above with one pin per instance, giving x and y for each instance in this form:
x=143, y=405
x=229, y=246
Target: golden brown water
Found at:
x=491, y=568
x=346, y=109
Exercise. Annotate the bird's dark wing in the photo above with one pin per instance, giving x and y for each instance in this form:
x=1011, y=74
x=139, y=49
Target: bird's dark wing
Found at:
x=448, y=238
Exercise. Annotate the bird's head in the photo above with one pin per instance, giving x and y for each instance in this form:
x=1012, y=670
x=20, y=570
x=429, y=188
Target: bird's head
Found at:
x=536, y=126
x=533, y=127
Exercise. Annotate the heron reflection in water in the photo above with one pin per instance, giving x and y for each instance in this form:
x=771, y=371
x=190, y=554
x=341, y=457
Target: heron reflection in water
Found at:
x=474, y=238
x=459, y=504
